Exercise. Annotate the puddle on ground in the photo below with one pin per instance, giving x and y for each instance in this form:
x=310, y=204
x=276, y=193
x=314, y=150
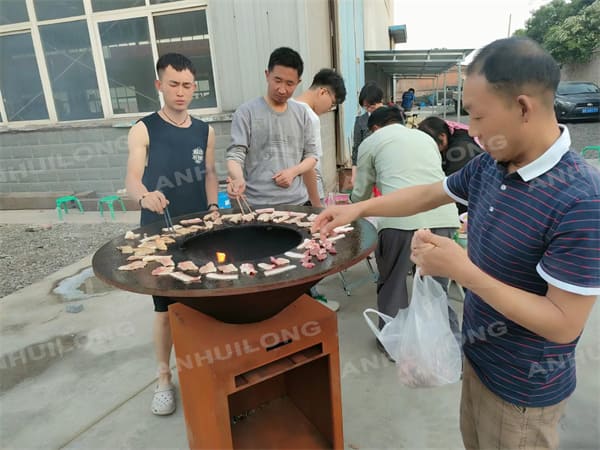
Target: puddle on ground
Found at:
x=80, y=286
x=34, y=359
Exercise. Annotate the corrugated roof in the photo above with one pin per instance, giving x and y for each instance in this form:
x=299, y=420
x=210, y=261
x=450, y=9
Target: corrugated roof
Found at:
x=415, y=63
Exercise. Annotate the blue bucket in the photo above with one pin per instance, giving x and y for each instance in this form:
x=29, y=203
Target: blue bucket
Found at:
x=223, y=200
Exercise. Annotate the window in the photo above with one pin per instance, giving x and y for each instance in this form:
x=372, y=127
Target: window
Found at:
x=187, y=33
x=56, y=9
x=71, y=70
x=94, y=59
x=14, y=12
x=107, y=5
x=129, y=65
x=20, y=80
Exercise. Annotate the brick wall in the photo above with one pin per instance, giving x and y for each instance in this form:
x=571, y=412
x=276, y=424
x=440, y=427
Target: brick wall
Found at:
x=94, y=158
x=75, y=159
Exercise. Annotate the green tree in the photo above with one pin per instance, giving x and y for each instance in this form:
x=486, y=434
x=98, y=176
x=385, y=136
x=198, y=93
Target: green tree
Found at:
x=570, y=31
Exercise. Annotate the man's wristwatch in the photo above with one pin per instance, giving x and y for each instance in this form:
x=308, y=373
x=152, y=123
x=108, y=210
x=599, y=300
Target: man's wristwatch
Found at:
x=210, y=205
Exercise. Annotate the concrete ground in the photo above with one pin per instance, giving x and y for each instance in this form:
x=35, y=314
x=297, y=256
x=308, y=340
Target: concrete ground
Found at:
x=85, y=380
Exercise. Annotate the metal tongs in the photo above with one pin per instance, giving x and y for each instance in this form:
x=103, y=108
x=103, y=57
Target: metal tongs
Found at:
x=245, y=203
x=168, y=221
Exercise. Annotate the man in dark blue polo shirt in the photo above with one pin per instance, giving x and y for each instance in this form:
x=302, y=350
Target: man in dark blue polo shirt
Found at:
x=532, y=269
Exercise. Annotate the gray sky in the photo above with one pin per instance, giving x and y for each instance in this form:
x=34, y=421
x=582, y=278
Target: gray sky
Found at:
x=460, y=23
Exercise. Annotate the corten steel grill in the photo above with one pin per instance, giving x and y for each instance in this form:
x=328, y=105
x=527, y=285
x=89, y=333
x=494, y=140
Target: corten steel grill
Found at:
x=249, y=298
x=258, y=360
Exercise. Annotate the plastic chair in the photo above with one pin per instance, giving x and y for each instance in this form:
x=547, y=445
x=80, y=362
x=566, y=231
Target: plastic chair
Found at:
x=63, y=203
x=108, y=201
x=372, y=276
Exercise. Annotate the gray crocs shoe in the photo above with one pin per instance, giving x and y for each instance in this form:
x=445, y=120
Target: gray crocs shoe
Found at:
x=163, y=402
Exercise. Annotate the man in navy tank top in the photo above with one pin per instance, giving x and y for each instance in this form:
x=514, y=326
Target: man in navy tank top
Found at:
x=531, y=270
x=171, y=162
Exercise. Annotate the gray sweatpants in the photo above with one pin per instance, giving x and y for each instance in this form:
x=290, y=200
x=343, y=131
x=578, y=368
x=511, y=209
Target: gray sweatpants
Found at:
x=393, y=263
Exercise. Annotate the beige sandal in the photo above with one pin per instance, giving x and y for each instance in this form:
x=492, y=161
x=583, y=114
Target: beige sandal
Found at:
x=163, y=402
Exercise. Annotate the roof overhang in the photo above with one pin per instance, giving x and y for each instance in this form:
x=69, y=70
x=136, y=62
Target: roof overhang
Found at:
x=397, y=33
x=415, y=63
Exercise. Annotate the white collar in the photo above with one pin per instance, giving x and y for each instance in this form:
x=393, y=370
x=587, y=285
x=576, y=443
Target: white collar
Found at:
x=549, y=158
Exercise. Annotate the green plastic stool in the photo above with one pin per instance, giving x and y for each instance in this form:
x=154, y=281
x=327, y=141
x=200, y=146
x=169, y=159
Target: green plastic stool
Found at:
x=108, y=202
x=63, y=202
x=591, y=148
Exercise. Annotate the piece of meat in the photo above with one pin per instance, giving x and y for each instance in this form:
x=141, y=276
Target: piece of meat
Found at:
x=294, y=255
x=279, y=261
x=343, y=229
x=185, y=278
x=248, y=269
x=131, y=235
x=165, y=260
x=308, y=265
x=135, y=257
x=125, y=249
x=193, y=221
x=135, y=265
x=187, y=266
x=264, y=217
x=149, y=238
x=304, y=244
x=163, y=270
x=298, y=214
x=265, y=266
x=212, y=216
x=265, y=211
x=227, y=268
x=209, y=267
x=144, y=251
x=222, y=276
x=278, y=270
x=175, y=227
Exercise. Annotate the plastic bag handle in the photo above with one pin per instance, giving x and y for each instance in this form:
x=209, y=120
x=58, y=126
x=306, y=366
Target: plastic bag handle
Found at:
x=375, y=329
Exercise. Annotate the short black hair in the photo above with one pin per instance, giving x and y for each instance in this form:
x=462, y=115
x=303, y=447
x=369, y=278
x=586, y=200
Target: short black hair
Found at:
x=370, y=94
x=177, y=61
x=511, y=64
x=331, y=79
x=434, y=126
x=385, y=115
x=287, y=57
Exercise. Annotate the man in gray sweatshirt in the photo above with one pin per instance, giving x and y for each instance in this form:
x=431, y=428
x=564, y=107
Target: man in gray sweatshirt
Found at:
x=273, y=141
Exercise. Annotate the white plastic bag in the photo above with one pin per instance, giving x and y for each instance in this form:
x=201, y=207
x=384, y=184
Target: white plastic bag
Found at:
x=419, y=338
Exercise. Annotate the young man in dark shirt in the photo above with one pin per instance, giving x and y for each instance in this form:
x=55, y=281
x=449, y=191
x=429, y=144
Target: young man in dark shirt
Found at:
x=171, y=162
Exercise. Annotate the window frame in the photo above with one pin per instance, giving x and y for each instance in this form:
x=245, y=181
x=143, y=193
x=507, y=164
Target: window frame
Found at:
x=93, y=19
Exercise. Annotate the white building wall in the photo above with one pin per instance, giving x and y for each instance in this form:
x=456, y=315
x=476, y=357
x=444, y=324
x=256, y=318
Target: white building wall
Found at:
x=378, y=16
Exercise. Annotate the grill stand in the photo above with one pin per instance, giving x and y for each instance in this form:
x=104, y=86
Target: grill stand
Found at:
x=273, y=384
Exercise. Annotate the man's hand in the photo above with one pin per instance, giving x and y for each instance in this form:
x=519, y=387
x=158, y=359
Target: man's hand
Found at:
x=285, y=178
x=334, y=216
x=154, y=201
x=438, y=256
x=235, y=188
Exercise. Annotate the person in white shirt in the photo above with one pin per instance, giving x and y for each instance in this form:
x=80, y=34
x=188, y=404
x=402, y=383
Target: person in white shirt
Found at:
x=326, y=91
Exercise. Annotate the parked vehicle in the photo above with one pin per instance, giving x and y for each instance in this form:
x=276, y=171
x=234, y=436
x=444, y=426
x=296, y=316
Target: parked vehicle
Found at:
x=577, y=100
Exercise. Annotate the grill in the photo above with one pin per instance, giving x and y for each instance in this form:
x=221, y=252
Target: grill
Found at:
x=249, y=298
